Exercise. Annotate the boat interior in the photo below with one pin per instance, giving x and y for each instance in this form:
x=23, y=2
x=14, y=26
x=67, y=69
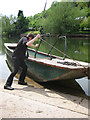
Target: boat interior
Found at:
x=52, y=59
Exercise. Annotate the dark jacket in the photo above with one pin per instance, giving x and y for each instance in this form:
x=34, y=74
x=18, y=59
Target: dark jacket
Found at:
x=21, y=48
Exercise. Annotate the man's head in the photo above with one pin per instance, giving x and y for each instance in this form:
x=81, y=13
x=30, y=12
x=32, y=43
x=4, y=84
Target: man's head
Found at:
x=30, y=36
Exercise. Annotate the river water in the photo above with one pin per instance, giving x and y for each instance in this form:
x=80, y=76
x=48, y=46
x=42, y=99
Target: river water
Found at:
x=76, y=48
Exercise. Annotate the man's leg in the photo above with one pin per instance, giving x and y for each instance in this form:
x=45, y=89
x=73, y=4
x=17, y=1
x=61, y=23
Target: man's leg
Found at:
x=23, y=73
x=15, y=70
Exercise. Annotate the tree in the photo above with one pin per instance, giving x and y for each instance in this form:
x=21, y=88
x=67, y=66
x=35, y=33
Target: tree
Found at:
x=20, y=13
x=35, y=21
x=8, y=25
x=84, y=8
x=85, y=24
x=21, y=25
x=61, y=18
x=12, y=26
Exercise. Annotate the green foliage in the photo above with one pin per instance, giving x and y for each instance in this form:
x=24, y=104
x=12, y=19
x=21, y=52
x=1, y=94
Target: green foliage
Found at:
x=20, y=13
x=35, y=21
x=85, y=23
x=8, y=25
x=12, y=26
x=33, y=32
x=21, y=25
x=61, y=18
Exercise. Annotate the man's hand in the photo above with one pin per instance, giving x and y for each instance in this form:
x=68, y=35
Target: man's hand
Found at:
x=36, y=45
x=33, y=40
x=38, y=36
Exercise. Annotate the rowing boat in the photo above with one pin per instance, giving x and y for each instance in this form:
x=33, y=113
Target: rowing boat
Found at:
x=45, y=67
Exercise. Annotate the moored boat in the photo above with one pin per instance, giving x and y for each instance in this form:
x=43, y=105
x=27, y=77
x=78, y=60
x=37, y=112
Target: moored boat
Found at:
x=45, y=67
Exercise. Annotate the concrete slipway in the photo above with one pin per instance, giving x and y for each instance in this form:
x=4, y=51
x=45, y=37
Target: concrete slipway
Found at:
x=34, y=101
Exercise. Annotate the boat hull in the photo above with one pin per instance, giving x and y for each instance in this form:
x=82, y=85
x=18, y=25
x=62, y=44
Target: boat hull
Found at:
x=43, y=71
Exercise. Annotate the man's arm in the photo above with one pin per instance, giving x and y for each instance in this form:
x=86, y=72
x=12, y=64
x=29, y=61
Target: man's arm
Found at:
x=32, y=41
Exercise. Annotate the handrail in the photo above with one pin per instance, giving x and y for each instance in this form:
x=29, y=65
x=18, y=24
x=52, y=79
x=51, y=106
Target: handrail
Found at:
x=65, y=45
x=62, y=52
x=55, y=44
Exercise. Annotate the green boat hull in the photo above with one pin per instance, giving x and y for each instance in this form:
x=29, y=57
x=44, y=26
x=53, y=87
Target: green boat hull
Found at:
x=42, y=70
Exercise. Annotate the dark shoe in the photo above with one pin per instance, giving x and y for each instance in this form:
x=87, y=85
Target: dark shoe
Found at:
x=8, y=87
x=22, y=83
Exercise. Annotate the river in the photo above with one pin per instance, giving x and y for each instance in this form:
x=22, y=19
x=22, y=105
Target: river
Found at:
x=76, y=48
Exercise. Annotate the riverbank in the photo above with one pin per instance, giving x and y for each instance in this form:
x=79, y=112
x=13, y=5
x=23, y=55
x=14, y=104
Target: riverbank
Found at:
x=71, y=35
x=35, y=101
x=79, y=35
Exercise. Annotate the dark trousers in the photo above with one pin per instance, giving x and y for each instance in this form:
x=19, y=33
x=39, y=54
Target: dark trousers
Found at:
x=17, y=63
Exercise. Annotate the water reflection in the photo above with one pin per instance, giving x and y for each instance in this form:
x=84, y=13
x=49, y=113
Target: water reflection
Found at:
x=76, y=48
x=4, y=70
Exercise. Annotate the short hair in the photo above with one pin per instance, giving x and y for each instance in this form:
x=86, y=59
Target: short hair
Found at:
x=30, y=35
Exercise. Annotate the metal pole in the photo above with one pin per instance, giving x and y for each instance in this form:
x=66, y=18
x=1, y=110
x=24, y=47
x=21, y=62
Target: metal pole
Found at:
x=65, y=45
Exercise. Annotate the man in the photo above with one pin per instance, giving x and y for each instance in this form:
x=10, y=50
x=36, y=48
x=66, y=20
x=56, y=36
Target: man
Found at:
x=18, y=57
